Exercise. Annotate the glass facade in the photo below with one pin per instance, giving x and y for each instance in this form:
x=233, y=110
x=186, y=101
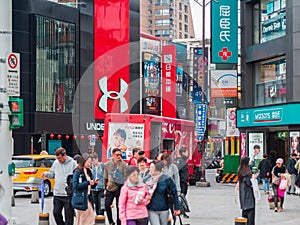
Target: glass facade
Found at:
x=55, y=65
x=270, y=80
x=269, y=20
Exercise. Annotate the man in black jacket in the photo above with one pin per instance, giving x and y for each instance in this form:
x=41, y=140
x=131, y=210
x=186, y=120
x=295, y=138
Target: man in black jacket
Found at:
x=182, y=166
x=265, y=168
x=292, y=170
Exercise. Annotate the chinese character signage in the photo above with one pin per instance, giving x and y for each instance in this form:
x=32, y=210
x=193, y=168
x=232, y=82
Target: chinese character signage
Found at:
x=232, y=130
x=169, y=81
x=224, y=31
x=200, y=120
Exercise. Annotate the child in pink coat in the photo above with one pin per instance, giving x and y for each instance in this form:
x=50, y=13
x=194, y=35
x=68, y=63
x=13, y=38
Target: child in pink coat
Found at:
x=133, y=200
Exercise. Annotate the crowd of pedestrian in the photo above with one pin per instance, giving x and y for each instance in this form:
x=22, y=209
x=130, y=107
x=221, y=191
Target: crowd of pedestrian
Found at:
x=145, y=191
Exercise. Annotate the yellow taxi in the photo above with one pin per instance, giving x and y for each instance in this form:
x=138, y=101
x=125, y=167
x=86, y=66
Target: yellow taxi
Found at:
x=29, y=169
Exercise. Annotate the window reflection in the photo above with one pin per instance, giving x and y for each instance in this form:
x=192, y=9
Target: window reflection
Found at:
x=271, y=81
x=55, y=65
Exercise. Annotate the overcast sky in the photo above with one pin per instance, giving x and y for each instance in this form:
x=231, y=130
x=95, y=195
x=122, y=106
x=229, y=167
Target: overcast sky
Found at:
x=197, y=18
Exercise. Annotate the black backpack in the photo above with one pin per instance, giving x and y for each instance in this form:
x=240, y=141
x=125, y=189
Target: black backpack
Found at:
x=69, y=188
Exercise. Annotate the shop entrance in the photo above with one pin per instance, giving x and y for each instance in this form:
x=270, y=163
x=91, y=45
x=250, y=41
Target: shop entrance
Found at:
x=278, y=146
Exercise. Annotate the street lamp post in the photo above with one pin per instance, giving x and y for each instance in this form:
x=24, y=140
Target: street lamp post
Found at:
x=203, y=181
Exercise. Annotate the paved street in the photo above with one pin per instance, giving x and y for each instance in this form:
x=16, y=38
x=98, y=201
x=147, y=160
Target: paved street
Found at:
x=214, y=205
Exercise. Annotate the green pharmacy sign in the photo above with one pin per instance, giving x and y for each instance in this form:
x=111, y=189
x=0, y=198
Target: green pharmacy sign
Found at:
x=224, y=32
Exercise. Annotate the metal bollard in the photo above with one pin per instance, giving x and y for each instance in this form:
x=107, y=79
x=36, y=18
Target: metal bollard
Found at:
x=240, y=221
x=13, y=203
x=34, y=195
x=169, y=221
x=43, y=219
x=99, y=219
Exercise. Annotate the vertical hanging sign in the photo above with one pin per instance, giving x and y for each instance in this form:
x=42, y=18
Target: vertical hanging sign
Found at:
x=225, y=31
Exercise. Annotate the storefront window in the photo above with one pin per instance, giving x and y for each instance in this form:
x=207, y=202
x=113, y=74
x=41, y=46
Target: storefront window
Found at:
x=55, y=65
x=270, y=81
x=269, y=20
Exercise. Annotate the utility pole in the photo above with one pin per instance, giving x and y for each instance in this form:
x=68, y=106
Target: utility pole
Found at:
x=6, y=148
x=203, y=182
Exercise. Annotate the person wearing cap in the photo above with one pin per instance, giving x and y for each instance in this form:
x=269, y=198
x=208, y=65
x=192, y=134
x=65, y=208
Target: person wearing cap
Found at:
x=277, y=171
x=293, y=172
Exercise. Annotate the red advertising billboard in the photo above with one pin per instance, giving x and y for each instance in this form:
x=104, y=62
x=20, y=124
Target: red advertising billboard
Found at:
x=169, y=81
x=111, y=57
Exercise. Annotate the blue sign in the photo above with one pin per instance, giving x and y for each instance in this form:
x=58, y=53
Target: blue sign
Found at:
x=269, y=116
x=224, y=33
x=197, y=95
x=200, y=120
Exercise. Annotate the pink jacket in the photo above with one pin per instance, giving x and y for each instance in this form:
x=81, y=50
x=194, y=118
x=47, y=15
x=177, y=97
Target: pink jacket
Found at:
x=128, y=209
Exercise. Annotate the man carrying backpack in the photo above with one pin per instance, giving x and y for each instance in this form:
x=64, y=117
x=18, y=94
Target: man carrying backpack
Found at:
x=114, y=177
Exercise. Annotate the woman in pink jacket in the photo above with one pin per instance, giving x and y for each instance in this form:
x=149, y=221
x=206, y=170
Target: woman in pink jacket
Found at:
x=133, y=199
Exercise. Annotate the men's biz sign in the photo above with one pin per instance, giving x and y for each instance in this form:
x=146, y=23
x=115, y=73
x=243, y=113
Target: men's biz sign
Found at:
x=224, y=34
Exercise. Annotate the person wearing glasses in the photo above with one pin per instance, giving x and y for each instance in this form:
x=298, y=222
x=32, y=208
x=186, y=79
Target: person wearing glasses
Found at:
x=114, y=176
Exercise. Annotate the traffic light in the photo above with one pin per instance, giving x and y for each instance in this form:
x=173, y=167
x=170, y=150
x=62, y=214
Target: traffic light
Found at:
x=11, y=169
x=16, y=113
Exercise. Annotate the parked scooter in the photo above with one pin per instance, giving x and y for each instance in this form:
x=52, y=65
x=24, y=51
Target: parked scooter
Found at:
x=214, y=163
x=219, y=175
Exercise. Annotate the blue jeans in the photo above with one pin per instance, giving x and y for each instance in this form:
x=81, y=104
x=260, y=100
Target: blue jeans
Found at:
x=266, y=184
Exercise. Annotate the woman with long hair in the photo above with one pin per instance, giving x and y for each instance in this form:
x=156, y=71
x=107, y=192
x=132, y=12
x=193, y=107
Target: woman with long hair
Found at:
x=247, y=200
x=81, y=198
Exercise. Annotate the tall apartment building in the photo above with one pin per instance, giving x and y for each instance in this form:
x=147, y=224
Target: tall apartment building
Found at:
x=167, y=19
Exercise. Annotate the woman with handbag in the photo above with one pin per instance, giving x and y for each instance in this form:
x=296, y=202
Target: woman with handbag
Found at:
x=246, y=194
x=277, y=171
x=159, y=187
x=81, y=197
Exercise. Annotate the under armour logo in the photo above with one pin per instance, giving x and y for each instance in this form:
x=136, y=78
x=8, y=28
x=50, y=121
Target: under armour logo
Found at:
x=113, y=95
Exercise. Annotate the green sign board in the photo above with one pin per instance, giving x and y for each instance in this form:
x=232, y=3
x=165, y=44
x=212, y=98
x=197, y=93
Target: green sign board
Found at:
x=224, y=31
x=269, y=116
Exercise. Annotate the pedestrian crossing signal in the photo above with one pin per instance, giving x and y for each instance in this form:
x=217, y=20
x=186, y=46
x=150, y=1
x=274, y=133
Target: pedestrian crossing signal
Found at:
x=16, y=116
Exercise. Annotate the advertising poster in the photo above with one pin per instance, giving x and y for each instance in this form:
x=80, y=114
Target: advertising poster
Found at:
x=255, y=139
x=152, y=76
x=125, y=136
x=243, y=144
x=294, y=142
x=223, y=83
x=232, y=130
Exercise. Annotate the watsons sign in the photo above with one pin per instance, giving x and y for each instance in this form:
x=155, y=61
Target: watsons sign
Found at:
x=273, y=115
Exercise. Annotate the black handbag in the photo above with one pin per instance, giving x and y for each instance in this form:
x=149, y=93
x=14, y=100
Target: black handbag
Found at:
x=170, y=198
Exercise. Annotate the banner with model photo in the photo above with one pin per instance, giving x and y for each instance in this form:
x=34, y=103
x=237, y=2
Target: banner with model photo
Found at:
x=294, y=142
x=255, y=147
x=125, y=136
x=152, y=77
